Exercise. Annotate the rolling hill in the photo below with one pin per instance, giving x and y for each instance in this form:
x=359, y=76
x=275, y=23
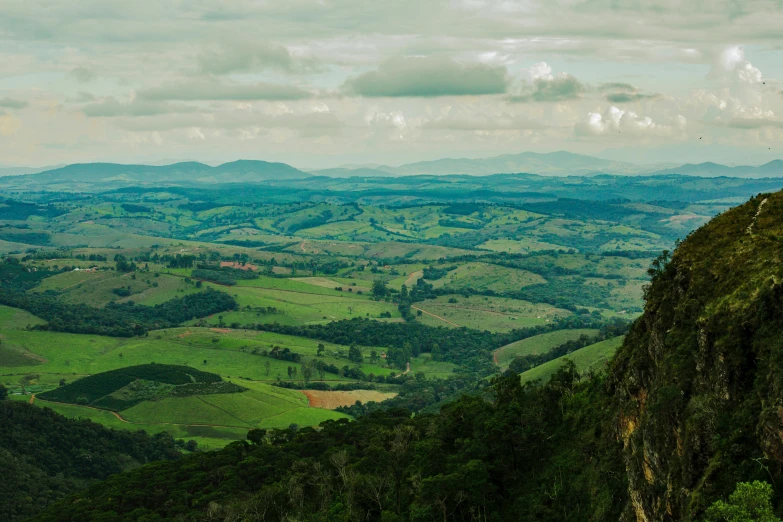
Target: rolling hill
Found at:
x=187, y=173
x=690, y=407
x=773, y=169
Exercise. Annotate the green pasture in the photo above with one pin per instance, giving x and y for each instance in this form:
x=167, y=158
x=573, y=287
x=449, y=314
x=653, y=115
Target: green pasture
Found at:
x=593, y=357
x=538, y=344
x=496, y=314
x=484, y=276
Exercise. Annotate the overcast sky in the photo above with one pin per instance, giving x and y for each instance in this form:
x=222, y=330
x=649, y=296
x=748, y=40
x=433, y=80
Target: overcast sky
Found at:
x=328, y=82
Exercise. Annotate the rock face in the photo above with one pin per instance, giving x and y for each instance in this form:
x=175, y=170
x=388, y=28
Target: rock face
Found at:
x=698, y=383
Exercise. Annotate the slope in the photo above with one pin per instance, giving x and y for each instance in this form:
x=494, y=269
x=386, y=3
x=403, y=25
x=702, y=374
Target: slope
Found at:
x=698, y=384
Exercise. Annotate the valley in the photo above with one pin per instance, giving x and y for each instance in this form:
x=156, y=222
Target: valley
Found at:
x=201, y=316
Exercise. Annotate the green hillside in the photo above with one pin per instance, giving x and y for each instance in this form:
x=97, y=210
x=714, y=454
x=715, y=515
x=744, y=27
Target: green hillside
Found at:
x=590, y=358
x=538, y=344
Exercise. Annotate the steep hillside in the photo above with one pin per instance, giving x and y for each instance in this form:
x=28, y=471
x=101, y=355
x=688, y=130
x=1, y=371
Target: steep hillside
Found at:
x=698, y=384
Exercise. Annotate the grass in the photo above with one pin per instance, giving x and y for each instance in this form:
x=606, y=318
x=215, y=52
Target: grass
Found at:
x=262, y=407
x=14, y=318
x=483, y=276
x=298, y=307
x=325, y=282
x=496, y=314
x=430, y=368
x=522, y=246
x=229, y=355
x=538, y=344
x=207, y=437
x=592, y=357
x=95, y=288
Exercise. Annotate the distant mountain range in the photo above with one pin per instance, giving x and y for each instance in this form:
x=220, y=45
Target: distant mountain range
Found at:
x=249, y=171
x=551, y=164
x=773, y=169
x=242, y=171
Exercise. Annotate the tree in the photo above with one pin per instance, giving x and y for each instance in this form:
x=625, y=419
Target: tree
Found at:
x=750, y=502
x=321, y=349
x=379, y=288
x=3, y=393
x=256, y=436
x=267, y=367
x=62, y=382
x=355, y=354
x=307, y=373
x=437, y=355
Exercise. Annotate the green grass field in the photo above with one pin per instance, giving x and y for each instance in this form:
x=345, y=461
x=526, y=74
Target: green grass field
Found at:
x=483, y=276
x=43, y=358
x=519, y=246
x=430, y=368
x=208, y=437
x=96, y=288
x=263, y=406
x=538, y=344
x=301, y=303
x=496, y=314
x=38, y=360
x=592, y=357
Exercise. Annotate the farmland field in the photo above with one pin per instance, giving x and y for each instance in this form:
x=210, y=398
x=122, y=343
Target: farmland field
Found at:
x=333, y=399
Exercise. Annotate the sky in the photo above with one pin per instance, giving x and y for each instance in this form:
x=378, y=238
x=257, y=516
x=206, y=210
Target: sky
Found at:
x=321, y=83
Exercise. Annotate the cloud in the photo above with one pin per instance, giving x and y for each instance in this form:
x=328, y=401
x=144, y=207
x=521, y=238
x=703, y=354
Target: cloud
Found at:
x=629, y=97
x=625, y=97
x=111, y=107
x=476, y=122
x=731, y=65
x=193, y=91
x=625, y=93
x=428, y=77
x=619, y=121
x=251, y=56
x=548, y=87
x=83, y=74
x=306, y=122
x=754, y=123
x=616, y=86
x=10, y=103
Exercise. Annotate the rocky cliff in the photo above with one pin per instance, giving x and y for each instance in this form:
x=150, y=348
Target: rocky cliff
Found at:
x=698, y=383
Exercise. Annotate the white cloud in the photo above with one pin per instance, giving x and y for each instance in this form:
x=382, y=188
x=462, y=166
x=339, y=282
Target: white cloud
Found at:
x=618, y=121
x=540, y=71
x=733, y=66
